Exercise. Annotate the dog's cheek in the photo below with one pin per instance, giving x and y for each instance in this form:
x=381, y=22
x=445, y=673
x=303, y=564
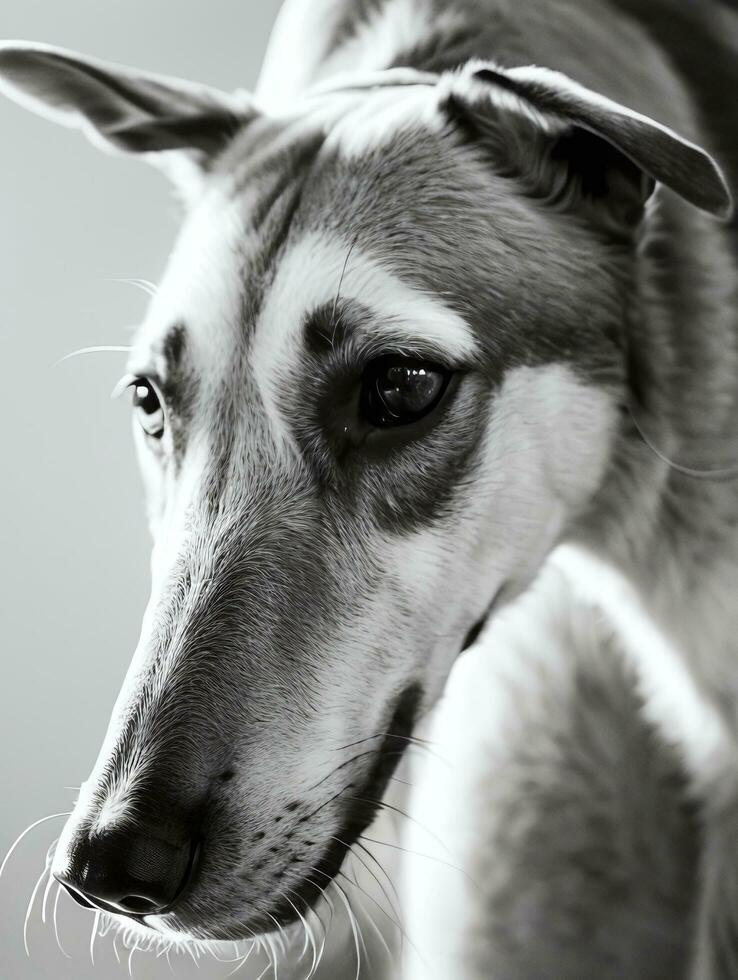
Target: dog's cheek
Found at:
x=547, y=443
x=153, y=483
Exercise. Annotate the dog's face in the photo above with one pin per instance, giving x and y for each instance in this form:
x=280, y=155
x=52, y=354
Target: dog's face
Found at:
x=380, y=378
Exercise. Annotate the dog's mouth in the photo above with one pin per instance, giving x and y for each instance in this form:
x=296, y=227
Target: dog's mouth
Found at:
x=309, y=867
x=365, y=800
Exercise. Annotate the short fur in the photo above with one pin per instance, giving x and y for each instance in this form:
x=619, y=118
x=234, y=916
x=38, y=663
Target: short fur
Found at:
x=536, y=195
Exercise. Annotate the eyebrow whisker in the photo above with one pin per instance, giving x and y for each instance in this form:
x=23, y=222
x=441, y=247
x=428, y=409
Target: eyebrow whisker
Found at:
x=144, y=285
x=338, y=291
x=104, y=348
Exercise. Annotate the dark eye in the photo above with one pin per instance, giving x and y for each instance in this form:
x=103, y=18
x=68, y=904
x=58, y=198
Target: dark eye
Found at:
x=398, y=391
x=148, y=407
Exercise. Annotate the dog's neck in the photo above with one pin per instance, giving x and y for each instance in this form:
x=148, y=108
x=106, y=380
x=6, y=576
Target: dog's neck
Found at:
x=667, y=510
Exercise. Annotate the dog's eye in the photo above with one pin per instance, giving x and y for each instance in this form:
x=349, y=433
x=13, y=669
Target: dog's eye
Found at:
x=148, y=408
x=398, y=391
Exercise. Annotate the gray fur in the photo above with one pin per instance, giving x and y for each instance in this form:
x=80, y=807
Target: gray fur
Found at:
x=280, y=571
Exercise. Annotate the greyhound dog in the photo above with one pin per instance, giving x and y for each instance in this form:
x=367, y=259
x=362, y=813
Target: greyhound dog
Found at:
x=445, y=358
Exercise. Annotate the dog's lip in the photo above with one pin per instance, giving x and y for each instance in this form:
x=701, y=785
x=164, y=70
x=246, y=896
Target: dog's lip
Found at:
x=100, y=906
x=365, y=802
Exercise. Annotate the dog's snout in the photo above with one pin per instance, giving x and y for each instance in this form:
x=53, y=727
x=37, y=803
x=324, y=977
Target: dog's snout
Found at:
x=134, y=872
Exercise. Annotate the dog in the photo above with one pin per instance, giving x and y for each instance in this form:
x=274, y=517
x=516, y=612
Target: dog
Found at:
x=444, y=360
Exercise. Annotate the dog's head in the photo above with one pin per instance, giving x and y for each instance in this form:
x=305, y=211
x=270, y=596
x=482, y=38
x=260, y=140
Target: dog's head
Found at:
x=381, y=377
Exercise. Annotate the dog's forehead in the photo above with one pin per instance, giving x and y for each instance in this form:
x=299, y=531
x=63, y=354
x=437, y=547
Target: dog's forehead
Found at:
x=410, y=224
x=294, y=222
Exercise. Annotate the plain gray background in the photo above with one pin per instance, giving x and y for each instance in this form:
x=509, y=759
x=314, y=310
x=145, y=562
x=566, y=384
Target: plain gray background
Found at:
x=73, y=544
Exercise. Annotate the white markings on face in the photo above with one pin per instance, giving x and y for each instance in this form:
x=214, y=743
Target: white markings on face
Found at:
x=201, y=290
x=369, y=120
x=543, y=455
x=201, y=286
x=309, y=277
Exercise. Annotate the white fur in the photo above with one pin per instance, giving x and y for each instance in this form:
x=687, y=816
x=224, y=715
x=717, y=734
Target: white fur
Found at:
x=359, y=118
x=498, y=697
x=309, y=276
x=673, y=701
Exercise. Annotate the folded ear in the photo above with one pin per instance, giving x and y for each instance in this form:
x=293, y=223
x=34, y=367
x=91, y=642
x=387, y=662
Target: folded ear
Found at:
x=177, y=125
x=582, y=143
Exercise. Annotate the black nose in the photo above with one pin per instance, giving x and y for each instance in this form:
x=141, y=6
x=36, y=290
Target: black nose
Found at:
x=134, y=872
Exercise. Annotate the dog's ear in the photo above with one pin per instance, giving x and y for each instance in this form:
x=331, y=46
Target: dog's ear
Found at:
x=177, y=125
x=569, y=143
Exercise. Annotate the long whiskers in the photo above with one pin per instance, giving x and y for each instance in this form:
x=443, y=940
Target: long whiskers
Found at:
x=428, y=857
x=97, y=349
x=338, y=292
x=29, y=909
x=55, y=919
x=353, y=924
x=403, y=813
x=22, y=835
x=50, y=879
x=93, y=936
x=145, y=285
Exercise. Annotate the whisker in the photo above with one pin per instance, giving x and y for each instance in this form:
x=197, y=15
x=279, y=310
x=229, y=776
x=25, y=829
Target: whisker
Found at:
x=219, y=959
x=30, y=909
x=341, y=765
x=405, y=738
x=361, y=933
x=19, y=838
x=429, y=857
x=398, y=925
x=402, y=813
x=47, y=891
x=338, y=291
x=244, y=959
x=384, y=872
x=50, y=880
x=150, y=288
x=325, y=929
x=369, y=870
x=130, y=959
x=283, y=939
x=265, y=970
x=352, y=923
x=718, y=474
x=55, y=920
x=404, y=782
x=98, y=349
x=374, y=925
x=93, y=935
x=309, y=937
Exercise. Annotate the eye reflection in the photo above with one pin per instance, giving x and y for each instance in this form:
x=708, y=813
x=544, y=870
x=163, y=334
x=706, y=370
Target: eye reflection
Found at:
x=147, y=405
x=398, y=391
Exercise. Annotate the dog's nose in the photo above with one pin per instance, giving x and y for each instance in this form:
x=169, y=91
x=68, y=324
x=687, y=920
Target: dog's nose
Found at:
x=133, y=872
